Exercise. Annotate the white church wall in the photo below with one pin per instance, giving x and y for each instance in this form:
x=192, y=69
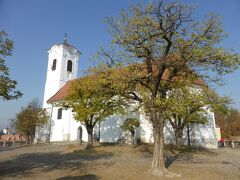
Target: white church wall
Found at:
x=205, y=135
x=57, y=126
x=169, y=137
x=110, y=130
x=146, y=130
x=200, y=135
x=52, y=84
x=74, y=129
x=73, y=125
x=57, y=78
x=69, y=53
x=66, y=128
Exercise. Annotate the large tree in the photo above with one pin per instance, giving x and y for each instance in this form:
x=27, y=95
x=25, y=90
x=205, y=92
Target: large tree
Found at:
x=92, y=101
x=29, y=118
x=7, y=86
x=170, y=46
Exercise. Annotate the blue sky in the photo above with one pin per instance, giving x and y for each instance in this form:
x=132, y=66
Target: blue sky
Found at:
x=36, y=25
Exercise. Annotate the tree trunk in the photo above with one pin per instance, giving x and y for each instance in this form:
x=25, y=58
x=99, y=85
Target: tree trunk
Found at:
x=132, y=138
x=158, y=166
x=80, y=135
x=188, y=135
x=178, y=139
x=28, y=138
x=178, y=135
x=90, y=137
x=99, y=131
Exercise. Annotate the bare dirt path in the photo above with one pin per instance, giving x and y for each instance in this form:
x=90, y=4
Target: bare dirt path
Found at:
x=113, y=162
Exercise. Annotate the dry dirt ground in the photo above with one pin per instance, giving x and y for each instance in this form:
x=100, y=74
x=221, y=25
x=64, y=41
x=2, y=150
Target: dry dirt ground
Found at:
x=113, y=162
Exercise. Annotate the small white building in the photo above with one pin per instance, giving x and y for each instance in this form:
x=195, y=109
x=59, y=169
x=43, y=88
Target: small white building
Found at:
x=61, y=71
x=5, y=131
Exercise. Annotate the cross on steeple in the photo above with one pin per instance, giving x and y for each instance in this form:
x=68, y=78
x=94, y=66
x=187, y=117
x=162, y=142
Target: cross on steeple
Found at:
x=65, y=38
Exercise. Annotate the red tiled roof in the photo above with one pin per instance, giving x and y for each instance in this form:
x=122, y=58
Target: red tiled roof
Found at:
x=59, y=96
x=61, y=93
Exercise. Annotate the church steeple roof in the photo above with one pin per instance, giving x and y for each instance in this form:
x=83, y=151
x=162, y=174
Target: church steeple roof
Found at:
x=65, y=43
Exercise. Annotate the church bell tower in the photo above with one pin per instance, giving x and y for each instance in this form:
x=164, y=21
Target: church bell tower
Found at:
x=62, y=67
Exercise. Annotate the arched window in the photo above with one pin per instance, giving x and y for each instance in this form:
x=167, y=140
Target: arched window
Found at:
x=54, y=64
x=59, y=114
x=69, y=66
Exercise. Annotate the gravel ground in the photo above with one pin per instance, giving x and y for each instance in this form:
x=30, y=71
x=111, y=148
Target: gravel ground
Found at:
x=106, y=161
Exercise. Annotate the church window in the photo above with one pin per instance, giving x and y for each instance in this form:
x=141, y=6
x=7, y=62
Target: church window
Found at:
x=59, y=114
x=54, y=64
x=69, y=66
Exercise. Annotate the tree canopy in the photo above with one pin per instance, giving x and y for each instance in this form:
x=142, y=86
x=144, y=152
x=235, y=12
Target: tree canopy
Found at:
x=92, y=99
x=29, y=118
x=188, y=105
x=7, y=86
x=229, y=122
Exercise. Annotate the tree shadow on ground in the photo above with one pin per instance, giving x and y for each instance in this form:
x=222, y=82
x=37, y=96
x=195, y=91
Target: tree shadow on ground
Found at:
x=232, y=164
x=17, y=146
x=25, y=164
x=184, y=153
x=107, y=144
x=83, y=177
x=174, y=153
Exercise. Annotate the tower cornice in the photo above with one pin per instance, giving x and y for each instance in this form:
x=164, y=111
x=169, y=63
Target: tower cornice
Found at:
x=63, y=45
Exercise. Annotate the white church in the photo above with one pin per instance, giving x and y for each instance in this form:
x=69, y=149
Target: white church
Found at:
x=61, y=70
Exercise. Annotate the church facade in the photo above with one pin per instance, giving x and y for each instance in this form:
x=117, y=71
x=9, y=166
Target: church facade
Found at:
x=61, y=71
